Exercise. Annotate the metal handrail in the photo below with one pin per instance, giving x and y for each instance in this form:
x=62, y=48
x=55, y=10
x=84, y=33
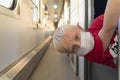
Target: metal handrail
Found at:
x=14, y=71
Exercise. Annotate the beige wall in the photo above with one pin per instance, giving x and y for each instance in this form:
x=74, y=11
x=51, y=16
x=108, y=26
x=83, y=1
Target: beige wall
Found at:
x=17, y=36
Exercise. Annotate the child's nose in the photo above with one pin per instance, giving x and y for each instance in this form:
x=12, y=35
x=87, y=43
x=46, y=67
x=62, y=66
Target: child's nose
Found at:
x=77, y=43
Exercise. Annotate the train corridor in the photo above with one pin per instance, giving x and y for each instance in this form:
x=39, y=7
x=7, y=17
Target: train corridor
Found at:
x=54, y=66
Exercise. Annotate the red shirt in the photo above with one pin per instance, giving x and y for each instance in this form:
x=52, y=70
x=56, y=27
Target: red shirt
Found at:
x=97, y=55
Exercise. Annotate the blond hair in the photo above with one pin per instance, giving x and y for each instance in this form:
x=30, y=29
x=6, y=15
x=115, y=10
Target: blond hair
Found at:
x=59, y=37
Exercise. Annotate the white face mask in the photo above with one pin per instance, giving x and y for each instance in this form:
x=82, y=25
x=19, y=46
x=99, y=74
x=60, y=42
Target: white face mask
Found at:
x=87, y=43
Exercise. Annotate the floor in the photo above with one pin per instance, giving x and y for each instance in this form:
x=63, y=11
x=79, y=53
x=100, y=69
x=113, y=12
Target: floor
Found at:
x=54, y=66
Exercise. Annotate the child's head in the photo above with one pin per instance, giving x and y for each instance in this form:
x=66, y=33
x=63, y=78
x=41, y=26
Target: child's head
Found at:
x=72, y=39
x=63, y=37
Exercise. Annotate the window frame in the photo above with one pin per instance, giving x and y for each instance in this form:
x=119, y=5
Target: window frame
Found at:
x=13, y=11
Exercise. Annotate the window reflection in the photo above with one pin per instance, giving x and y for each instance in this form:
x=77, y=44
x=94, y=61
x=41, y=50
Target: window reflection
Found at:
x=35, y=15
x=6, y=3
x=35, y=10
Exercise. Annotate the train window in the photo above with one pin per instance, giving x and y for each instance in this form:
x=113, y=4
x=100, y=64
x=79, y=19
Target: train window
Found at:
x=8, y=3
x=35, y=10
x=35, y=14
x=36, y=2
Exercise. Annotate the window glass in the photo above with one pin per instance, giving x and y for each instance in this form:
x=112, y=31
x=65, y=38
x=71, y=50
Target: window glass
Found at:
x=35, y=10
x=36, y=2
x=35, y=14
x=6, y=3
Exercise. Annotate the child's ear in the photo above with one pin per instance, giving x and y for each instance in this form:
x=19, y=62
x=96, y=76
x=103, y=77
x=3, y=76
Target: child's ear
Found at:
x=82, y=29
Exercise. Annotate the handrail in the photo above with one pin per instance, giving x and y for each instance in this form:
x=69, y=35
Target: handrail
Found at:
x=14, y=71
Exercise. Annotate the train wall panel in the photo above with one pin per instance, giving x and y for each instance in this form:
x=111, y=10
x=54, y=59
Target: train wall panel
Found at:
x=17, y=36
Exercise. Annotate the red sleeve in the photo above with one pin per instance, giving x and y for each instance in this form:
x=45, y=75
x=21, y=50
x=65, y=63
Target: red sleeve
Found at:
x=96, y=25
x=97, y=55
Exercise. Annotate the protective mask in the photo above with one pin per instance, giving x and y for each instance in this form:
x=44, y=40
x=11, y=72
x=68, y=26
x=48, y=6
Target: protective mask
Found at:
x=87, y=43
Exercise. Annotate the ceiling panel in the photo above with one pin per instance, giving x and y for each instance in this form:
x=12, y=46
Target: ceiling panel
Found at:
x=52, y=11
